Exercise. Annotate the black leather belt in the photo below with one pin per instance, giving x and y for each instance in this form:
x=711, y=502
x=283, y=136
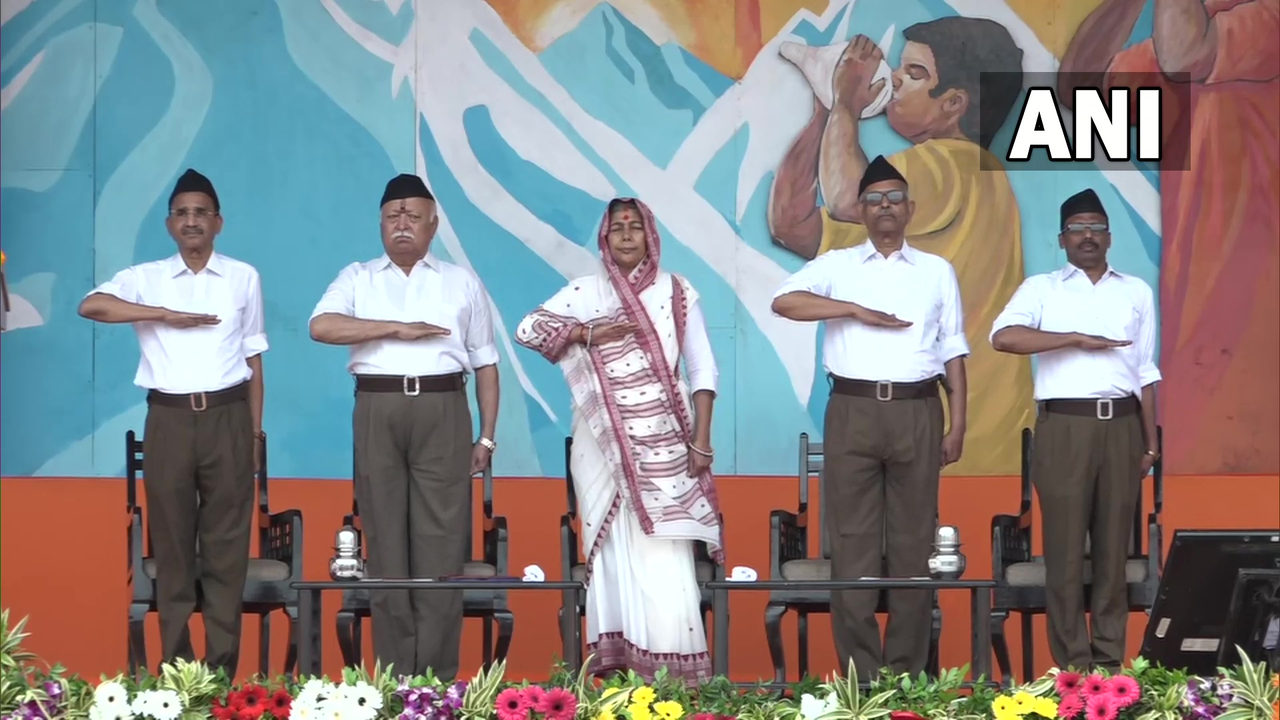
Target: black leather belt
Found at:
x=410, y=384
x=1100, y=408
x=200, y=401
x=884, y=390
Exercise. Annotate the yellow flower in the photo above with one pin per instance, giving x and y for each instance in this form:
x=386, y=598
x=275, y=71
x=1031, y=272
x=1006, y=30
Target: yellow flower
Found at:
x=1045, y=708
x=668, y=710
x=1023, y=701
x=639, y=712
x=1004, y=705
x=610, y=692
x=605, y=715
x=643, y=696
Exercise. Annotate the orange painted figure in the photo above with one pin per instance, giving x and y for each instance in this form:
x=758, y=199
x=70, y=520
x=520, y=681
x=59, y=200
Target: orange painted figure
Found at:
x=1220, y=265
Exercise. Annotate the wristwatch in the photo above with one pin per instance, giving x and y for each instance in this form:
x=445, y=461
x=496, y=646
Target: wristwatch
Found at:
x=489, y=444
x=1154, y=455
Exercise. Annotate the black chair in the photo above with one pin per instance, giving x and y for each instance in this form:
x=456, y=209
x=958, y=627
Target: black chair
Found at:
x=789, y=560
x=487, y=605
x=277, y=566
x=1020, y=575
x=573, y=566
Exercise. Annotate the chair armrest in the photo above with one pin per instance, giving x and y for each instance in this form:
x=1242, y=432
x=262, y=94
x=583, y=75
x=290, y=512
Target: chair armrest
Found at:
x=282, y=540
x=1010, y=542
x=496, y=544
x=788, y=540
x=569, y=553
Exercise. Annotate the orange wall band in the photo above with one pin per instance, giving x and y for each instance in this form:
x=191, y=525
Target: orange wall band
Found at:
x=62, y=553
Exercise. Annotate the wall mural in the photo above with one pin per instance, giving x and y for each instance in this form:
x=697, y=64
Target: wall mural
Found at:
x=525, y=116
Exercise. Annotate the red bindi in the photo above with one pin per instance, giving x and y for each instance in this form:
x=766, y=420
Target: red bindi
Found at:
x=626, y=216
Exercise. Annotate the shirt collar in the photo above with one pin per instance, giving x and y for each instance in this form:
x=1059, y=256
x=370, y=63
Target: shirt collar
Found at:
x=1069, y=270
x=428, y=261
x=215, y=265
x=867, y=250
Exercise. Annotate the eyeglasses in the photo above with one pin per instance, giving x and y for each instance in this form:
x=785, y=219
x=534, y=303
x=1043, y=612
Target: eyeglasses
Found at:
x=198, y=213
x=1081, y=227
x=875, y=198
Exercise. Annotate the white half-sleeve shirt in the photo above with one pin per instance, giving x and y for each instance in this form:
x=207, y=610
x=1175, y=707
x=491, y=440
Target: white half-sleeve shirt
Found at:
x=913, y=285
x=1118, y=307
x=434, y=292
x=200, y=359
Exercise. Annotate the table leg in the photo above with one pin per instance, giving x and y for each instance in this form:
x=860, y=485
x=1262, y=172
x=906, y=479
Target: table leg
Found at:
x=720, y=632
x=980, y=610
x=306, y=648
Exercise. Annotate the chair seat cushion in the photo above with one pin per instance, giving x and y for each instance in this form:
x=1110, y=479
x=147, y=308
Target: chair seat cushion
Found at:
x=704, y=571
x=479, y=570
x=259, y=570
x=807, y=569
x=1032, y=574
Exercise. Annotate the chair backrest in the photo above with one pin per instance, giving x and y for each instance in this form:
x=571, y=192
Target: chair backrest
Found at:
x=571, y=495
x=811, y=463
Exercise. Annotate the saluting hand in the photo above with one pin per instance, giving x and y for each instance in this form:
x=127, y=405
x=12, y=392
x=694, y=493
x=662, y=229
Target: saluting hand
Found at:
x=1097, y=342
x=176, y=319
x=608, y=332
x=419, y=331
x=875, y=318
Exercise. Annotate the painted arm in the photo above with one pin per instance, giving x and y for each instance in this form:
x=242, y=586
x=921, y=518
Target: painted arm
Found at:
x=841, y=164
x=794, y=222
x=1099, y=38
x=1185, y=38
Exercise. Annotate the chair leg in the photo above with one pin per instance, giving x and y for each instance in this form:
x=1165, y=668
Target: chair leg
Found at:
x=802, y=643
x=506, y=622
x=933, y=666
x=1028, y=649
x=1000, y=644
x=773, y=633
x=291, y=651
x=138, y=639
x=348, y=638
x=486, y=650
x=264, y=644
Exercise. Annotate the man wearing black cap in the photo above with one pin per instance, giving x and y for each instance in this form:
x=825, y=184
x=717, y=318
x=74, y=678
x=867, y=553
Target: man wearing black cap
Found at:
x=416, y=325
x=884, y=438
x=1094, y=331
x=199, y=320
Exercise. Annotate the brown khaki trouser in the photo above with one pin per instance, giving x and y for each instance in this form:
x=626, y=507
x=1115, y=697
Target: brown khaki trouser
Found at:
x=1087, y=473
x=198, y=479
x=882, y=462
x=413, y=485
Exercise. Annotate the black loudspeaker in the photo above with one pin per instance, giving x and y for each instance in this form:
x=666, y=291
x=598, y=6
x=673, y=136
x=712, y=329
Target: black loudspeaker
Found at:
x=1189, y=620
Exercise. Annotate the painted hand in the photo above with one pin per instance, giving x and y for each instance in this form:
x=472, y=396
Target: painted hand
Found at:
x=952, y=447
x=852, y=81
x=480, y=457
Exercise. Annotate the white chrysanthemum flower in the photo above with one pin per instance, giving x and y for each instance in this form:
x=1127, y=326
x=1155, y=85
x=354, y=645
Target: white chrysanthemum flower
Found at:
x=314, y=693
x=163, y=705
x=363, y=701
x=112, y=699
x=299, y=712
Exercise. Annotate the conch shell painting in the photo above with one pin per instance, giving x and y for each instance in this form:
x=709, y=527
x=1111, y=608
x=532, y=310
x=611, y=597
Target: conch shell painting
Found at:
x=818, y=65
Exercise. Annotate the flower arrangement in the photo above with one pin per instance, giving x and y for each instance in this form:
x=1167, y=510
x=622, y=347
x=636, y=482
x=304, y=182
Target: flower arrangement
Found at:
x=191, y=691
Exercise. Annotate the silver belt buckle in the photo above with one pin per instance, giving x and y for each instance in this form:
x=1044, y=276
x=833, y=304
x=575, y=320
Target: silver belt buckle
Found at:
x=884, y=390
x=1105, y=409
x=411, y=388
x=202, y=404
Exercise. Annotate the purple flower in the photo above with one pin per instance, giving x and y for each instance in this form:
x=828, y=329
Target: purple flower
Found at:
x=53, y=690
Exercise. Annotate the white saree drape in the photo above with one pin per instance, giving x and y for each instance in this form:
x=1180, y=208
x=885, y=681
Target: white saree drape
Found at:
x=641, y=513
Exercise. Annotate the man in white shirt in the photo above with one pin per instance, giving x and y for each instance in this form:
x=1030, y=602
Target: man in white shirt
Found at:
x=884, y=439
x=198, y=317
x=1093, y=330
x=416, y=325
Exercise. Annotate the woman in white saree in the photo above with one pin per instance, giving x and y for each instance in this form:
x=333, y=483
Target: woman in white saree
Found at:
x=641, y=446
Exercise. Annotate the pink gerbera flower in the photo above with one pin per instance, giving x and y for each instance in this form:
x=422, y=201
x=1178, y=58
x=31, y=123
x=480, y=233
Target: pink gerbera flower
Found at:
x=531, y=697
x=1124, y=690
x=1101, y=707
x=1068, y=683
x=558, y=704
x=510, y=705
x=1095, y=685
x=1070, y=706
